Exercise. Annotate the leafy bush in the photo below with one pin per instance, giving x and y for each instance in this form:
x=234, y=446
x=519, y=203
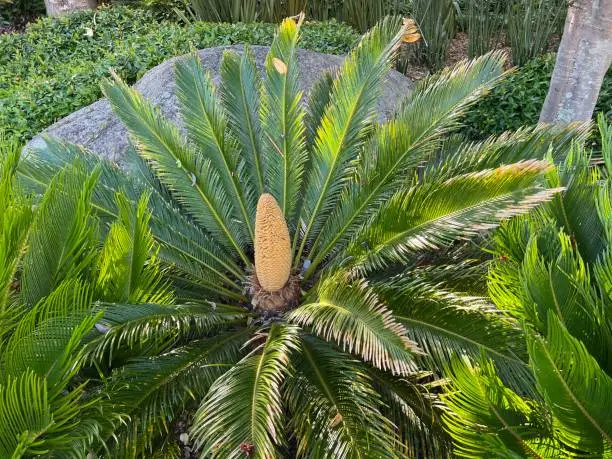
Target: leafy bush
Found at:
x=517, y=100
x=55, y=67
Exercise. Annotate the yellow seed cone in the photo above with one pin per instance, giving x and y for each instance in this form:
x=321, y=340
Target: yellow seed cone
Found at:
x=272, y=245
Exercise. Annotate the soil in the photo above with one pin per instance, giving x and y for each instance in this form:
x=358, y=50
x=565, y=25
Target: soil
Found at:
x=457, y=51
x=6, y=29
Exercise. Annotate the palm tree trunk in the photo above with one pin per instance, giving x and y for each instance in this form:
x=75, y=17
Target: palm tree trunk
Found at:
x=58, y=7
x=583, y=58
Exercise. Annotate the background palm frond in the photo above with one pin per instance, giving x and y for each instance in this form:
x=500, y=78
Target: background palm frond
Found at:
x=487, y=418
x=577, y=391
x=128, y=269
x=62, y=236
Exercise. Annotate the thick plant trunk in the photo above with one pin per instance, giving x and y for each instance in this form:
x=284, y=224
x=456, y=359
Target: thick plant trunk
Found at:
x=58, y=7
x=583, y=58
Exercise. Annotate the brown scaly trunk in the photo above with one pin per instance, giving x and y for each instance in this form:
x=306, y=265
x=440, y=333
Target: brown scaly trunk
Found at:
x=583, y=59
x=59, y=7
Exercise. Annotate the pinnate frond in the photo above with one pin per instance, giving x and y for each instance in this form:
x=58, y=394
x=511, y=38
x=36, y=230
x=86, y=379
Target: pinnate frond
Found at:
x=447, y=324
x=187, y=173
x=345, y=123
x=15, y=219
x=35, y=422
x=244, y=406
x=240, y=90
x=400, y=145
x=486, y=418
x=282, y=120
x=330, y=397
x=128, y=270
x=576, y=389
x=154, y=390
x=48, y=337
x=207, y=129
x=432, y=215
x=351, y=315
x=62, y=236
x=182, y=243
x=137, y=326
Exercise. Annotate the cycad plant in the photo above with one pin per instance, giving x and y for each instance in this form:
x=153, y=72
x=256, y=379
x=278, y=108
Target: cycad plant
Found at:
x=552, y=272
x=314, y=256
x=54, y=263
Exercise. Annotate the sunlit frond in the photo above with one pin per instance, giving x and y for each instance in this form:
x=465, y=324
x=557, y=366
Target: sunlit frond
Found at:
x=282, y=119
x=402, y=144
x=577, y=390
x=345, y=124
x=485, y=418
x=434, y=214
x=128, y=267
x=447, y=324
x=352, y=315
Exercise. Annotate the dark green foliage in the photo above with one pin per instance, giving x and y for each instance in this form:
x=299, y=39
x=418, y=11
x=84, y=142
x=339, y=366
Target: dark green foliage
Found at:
x=436, y=20
x=54, y=68
x=17, y=12
x=360, y=14
x=517, y=101
x=530, y=24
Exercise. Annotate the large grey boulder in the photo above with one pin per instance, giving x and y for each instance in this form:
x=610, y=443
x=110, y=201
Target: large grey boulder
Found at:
x=97, y=128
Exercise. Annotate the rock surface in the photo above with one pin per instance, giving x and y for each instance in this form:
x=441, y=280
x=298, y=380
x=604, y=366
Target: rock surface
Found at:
x=98, y=129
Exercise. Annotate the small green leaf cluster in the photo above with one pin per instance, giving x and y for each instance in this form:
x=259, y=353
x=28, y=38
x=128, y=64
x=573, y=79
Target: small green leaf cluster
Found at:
x=55, y=66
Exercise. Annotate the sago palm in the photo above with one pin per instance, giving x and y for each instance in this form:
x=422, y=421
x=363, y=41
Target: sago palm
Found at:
x=52, y=269
x=553, y=271
x=311, y=253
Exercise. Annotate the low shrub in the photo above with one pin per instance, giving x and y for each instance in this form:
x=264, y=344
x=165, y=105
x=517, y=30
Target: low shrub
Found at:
x=517, y=101
x=56, y=66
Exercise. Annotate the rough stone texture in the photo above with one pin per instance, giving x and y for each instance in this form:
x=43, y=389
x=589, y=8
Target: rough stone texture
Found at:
x=98, y=129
